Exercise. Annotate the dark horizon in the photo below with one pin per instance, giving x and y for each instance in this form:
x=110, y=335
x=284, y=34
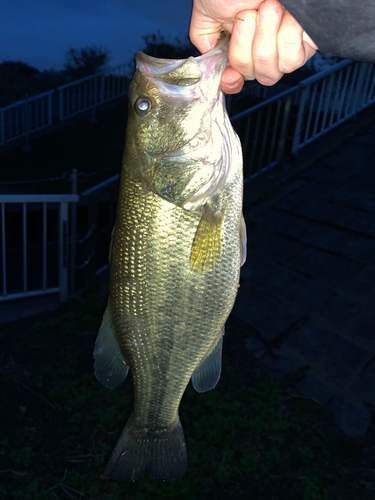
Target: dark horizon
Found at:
x=40, y=33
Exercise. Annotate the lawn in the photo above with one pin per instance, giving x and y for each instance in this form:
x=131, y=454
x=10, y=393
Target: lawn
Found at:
x=253, y=437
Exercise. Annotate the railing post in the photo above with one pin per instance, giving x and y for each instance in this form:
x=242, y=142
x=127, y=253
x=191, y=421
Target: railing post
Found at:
x=94, y=100
x=359, y=87
x=3, y=249
x=301, y=112
x=26, y=147
x=61, y=105
x=50, y=110
x=2, y=127
x=63, y=251
x=73, y=233
x=92, y=240
x=284, y=128
x=102, y=88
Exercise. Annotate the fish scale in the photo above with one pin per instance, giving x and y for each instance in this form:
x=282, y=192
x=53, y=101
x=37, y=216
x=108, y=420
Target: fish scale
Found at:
x=174, y=260
x=171, y=301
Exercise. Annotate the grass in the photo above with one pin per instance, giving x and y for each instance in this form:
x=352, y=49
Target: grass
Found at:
x=250, y=438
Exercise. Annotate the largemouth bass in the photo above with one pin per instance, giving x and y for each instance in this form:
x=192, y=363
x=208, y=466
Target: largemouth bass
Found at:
x=175, y=255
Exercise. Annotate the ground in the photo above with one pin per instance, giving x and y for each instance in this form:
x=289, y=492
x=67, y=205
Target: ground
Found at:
x=253, y=436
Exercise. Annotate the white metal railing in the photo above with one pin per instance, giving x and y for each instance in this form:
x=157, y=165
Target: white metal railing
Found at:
x=32, y=244
x=39, y=112
x=323, y=101
x=25, y=117
x=255, y=89
x=92, y=91
x=103, y=193
x=33, y=114
x=269, y=132
x=331, y=99
x=282, y=125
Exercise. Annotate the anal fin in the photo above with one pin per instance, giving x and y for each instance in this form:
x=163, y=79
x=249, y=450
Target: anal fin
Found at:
x=110, y=367
x=207, y=375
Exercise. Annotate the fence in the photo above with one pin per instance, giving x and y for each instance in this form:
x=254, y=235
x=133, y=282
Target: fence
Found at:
x=281, y=126
x=256, y=90
x=101, y=204
x=90, y=92
x=34, y=234
x=269, y=132
x=23, y=118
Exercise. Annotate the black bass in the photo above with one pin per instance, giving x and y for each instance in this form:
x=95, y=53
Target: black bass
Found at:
x=175, y=255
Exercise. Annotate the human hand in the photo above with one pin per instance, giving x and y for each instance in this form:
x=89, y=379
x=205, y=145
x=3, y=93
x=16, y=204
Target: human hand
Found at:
x=266, y=40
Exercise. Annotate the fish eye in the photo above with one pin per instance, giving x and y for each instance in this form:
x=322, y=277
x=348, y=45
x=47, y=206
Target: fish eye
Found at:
x=142, y=105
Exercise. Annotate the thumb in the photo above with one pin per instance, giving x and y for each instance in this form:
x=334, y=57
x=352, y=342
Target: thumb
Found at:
x=204, y=31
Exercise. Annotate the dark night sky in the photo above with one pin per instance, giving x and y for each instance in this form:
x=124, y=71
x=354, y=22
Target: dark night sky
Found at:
x=39, y=32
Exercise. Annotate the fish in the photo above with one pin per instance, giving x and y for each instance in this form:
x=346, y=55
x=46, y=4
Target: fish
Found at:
x=177, y=246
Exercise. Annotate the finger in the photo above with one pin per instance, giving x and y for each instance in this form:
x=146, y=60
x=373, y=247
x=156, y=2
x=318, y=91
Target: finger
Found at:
x=293, y=52
x=231, y=81
x=264, y=51
x=241, y=42
x=204, y=31
x=309, y=41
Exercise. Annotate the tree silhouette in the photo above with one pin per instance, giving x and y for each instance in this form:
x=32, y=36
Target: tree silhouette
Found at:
x=16, y=78
x=157, y=45
x=85, y=61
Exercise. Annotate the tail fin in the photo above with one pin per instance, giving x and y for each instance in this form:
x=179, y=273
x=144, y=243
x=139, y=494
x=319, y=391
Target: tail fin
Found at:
x=161, y=453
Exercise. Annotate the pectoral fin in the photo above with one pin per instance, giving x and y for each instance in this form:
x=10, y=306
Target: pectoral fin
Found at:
x=110, y=367
x=207, y=375
x=206, y=248
x=243, y=240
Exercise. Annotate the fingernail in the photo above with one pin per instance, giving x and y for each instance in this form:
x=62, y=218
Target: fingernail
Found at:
x=231, y=86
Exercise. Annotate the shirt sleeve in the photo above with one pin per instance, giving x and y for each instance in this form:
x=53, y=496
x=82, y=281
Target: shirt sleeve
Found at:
x=343, y=28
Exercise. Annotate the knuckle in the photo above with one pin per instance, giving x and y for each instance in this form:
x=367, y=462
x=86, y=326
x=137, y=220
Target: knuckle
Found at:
x=291, y=54
x=243, y=66
x=291, y=62
x=266, y=80
x=290, y=46
x=240, y=58
x=263, y=59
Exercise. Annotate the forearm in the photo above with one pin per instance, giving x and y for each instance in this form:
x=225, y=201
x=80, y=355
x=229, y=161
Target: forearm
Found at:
x=340, y=28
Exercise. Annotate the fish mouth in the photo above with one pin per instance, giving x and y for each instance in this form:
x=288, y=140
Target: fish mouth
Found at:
x=183, y=81
x=163, y=68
